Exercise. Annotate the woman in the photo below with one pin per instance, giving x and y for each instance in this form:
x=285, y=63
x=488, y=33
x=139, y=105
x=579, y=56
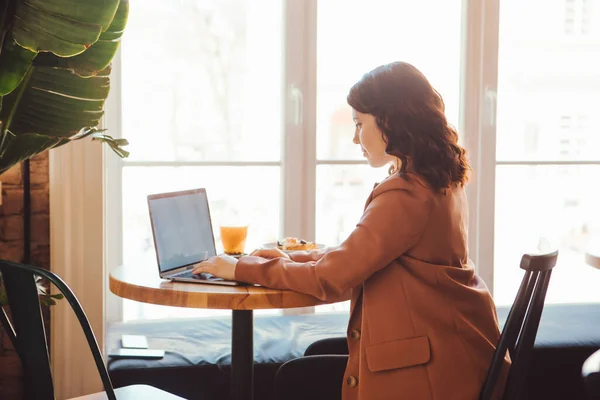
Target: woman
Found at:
x=422, y=324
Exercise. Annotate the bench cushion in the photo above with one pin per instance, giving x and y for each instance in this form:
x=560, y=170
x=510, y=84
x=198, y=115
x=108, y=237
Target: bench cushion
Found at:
x=207, y=341
x=197, y=358
x=198, y=351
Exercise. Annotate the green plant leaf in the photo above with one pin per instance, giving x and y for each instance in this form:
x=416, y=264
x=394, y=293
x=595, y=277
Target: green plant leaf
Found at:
x=56, y=102
x=49, y=108
x=19, y=148
x=47, y=102
x=99, y=12
x=67, y=84
x=115, y=144
x=14, y=62
x=63, y=27
x=100, y=54
x=47, y=301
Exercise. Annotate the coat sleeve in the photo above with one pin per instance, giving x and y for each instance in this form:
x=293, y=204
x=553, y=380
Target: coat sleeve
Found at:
x=391, y=224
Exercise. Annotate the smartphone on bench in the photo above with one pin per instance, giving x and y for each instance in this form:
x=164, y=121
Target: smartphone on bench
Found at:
x=147, y=354
x=136, y=346
x=134, y=342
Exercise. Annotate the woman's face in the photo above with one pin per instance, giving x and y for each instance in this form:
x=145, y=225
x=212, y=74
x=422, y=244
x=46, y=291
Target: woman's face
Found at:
x=370, y=138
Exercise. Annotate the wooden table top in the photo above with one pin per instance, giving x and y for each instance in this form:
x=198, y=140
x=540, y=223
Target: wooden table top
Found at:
x=129, y=283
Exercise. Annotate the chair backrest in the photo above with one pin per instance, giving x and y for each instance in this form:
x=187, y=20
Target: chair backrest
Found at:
x=520, y=329
x=27, y=328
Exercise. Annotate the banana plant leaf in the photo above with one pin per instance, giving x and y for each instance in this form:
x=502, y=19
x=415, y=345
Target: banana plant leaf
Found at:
x=54, y=73
x=14, y=63
x=98, y=56
x=63, y=27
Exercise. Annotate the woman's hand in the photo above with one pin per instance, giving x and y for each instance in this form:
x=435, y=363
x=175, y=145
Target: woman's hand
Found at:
x=220, y=266
x=270, y=253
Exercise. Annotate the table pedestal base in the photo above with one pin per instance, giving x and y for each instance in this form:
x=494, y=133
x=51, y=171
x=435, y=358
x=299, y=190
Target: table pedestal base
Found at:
x=242, y=355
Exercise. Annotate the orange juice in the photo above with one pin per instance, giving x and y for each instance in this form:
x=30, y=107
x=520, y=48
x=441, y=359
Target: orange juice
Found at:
x=234, y=239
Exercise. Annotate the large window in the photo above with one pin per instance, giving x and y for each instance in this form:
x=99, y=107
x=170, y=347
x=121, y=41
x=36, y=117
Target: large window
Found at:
x=547, y=144
x=201, y=107
x=354, y=37
x=248, y=99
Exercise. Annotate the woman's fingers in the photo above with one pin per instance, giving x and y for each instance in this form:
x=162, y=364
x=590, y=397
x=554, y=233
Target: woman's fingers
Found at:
x=266, y=253
x=260, y=253
x=199, y=270
x=205, y=266
x=269, y=253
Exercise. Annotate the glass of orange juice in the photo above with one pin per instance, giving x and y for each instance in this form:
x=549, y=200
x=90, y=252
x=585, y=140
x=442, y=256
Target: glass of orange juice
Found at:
x=233, y=238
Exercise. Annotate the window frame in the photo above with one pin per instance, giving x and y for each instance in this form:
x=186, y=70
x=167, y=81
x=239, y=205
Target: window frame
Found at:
x=479, y=87
x=477, y=127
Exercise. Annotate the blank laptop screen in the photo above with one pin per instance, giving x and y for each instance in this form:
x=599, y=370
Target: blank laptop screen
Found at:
x=182, y=229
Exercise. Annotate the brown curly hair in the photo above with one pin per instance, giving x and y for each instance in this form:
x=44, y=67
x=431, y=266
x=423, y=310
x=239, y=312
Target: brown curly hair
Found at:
x=410, y=114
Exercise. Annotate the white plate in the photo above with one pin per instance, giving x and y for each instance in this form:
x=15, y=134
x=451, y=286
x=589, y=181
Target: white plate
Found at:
x=273, y=245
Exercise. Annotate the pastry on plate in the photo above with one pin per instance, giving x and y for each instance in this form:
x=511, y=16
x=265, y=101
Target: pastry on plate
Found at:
x=292, y=243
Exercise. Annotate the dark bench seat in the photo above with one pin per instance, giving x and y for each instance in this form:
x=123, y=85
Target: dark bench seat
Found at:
x=198, y=351
x=196, y=364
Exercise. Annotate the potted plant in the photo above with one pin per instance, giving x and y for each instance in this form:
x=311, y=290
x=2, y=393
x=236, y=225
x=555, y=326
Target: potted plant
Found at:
x=55, y=60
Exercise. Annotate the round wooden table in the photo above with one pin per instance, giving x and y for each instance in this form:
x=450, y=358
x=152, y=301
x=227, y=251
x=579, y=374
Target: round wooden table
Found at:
x=129, y=283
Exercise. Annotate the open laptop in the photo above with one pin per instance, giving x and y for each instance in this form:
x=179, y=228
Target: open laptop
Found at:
x=183, y=235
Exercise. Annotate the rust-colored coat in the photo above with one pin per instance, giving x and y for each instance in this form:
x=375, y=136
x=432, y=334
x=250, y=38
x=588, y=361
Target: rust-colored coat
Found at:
x=422, y=324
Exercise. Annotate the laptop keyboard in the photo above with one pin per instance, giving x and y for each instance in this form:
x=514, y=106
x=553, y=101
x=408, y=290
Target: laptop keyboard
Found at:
x=202, y=276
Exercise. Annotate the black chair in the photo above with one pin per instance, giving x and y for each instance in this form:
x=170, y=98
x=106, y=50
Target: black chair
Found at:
x=518, y=337
x=591, y=368
x=28, y=336
x=318, y=377
x=591, y=376
x=336, y=345
x=520, y=329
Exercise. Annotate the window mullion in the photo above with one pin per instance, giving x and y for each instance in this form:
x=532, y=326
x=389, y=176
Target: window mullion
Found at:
x=201, y=163
x=310, y=123
x=299, y=141
x=479, y=83
x=113, y=184
x=536, y=163
x=299, y=132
